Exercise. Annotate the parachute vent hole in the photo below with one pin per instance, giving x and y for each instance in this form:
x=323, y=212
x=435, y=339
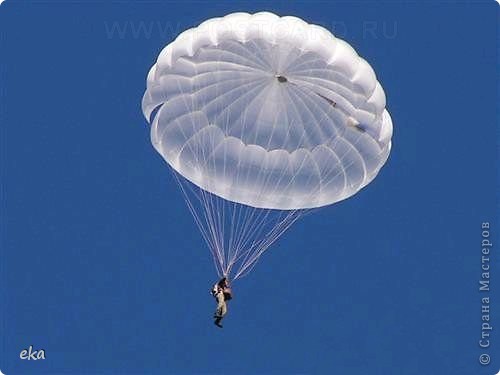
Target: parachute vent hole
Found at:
x=281, y=79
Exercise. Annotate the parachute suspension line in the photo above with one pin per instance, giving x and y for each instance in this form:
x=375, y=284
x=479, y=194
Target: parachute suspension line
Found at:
x=252, y=231
x=203, y=225
x=236, y=234
x=212, y=214
x=267, y=241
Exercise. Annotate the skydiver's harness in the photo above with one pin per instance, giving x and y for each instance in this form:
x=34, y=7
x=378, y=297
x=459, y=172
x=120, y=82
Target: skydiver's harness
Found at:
x=228, y=294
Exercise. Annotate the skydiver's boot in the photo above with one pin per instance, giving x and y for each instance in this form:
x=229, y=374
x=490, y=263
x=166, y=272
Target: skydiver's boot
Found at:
x=217, y=322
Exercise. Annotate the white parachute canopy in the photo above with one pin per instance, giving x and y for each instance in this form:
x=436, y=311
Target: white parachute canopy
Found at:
x=261, y=118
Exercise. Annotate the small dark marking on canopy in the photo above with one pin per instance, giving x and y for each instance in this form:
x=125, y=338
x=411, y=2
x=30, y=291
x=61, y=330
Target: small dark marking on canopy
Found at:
x=360, y=128
x=330, y=101
x=281, y=79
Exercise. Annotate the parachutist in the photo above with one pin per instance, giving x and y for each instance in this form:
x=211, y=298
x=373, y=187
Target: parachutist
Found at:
x=222, y=293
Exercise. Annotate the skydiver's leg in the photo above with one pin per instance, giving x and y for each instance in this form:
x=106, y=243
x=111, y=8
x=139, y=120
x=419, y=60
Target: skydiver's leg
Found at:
x=221, y=309
x=220, y=305
x=217, y=312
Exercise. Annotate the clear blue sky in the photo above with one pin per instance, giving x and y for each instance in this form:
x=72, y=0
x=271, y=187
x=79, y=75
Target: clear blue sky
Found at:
x=103, y=267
